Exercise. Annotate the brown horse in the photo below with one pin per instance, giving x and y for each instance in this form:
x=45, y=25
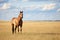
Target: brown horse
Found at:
x=16, y=22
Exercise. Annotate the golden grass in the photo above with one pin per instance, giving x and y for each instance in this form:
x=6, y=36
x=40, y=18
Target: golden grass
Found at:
x=31, y=31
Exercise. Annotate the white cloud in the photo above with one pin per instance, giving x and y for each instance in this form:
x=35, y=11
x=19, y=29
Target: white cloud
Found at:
x=1, y=0
x=58, y=10
x=48, y=6
x=42, y=7
x=15, y=0
x=33, y=7
x=29, y=7
x=5, y=6
x=24, y=0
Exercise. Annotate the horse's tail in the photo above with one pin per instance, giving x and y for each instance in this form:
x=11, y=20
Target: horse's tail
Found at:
x=13, y=28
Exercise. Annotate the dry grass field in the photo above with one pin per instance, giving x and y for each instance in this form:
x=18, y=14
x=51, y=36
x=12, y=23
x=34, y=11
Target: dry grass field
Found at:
x=32, y=30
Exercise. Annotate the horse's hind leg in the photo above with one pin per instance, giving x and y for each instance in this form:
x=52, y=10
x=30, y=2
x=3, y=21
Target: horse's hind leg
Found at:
x=21, y=29
x=13, y=28
x=18, y=28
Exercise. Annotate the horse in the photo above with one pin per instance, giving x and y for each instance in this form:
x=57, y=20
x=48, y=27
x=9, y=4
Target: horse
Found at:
x=16, y=22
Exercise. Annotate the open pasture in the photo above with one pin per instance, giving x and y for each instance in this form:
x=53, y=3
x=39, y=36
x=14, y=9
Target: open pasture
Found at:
x=32, y=30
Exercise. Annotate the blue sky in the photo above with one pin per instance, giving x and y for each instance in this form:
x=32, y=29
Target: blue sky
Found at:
x=32, y=9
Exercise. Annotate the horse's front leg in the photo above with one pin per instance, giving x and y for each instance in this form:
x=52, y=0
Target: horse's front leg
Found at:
x=15, y=28
x=20, y=28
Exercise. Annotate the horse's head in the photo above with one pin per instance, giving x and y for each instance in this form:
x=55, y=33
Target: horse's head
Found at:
x=21, y=14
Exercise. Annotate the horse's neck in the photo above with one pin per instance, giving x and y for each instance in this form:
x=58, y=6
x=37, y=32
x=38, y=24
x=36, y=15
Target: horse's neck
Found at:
x=20, y=17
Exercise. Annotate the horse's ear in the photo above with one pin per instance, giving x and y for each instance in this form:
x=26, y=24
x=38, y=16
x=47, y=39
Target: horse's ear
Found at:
x=21, y=11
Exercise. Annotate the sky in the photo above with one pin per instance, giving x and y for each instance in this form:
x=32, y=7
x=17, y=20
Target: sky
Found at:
x=32, y=9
